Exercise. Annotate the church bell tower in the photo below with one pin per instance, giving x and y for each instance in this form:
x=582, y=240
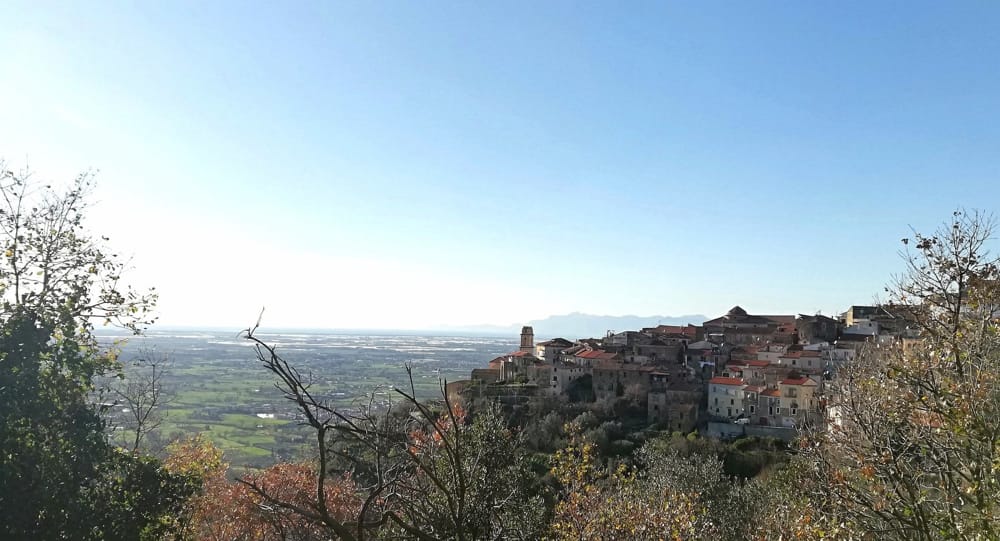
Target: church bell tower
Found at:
x=527, y=340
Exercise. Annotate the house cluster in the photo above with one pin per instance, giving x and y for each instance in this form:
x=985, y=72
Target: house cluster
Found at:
x=767, y=370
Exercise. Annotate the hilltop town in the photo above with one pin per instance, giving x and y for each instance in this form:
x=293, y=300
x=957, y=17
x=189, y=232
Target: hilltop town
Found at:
x=737, y=374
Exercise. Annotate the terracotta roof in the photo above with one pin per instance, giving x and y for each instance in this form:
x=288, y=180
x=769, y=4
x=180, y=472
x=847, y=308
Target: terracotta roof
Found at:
x=758, y=364
x=754, y=388
x=512, y=354
x=686, y=330
x=771, y=392
x=720, y=380
x=596, y=354
x=557, y=342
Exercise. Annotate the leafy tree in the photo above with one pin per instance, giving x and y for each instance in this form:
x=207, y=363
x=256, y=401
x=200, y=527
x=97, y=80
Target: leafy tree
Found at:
x=598, y=503
x=913, y=451
x=198, y=459
x=543, y=434
x=133, y=497
x=779, y=506
x=51, y=439
x=226, y=510
x=59, y=478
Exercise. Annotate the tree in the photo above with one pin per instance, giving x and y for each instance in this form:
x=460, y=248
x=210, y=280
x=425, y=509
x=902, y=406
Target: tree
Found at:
x=141, y=390
x=619, y=503
x=59, y=478
x=209, y=514
x=232, y=511
x=424, y=472
x=54, y=269
x=913, y=451
x=581, y=389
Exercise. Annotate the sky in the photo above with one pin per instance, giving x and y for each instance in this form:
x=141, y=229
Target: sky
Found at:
x=413, y=164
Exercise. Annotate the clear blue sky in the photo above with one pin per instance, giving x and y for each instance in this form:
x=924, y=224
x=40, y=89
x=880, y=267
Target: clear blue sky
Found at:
x=384, y=164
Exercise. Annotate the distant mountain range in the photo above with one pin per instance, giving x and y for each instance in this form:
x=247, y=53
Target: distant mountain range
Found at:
x=579, y=325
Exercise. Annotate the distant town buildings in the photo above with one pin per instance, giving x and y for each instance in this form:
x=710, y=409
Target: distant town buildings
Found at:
x=753, y=373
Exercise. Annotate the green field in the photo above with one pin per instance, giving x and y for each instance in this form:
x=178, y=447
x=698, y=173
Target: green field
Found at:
x=217, y=388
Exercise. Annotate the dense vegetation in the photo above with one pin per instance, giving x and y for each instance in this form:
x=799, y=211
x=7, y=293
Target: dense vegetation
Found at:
x=913, y=452
x=59, y=476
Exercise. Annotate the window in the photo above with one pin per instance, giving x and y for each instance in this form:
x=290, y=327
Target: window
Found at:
x=793, y=411
x=716, y=401
x=732, y=402
x=753, y=409
x=770, y=410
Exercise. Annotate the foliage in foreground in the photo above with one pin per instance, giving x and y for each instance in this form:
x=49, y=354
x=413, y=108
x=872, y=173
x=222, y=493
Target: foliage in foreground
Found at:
x=914, y=452
x=59, y=477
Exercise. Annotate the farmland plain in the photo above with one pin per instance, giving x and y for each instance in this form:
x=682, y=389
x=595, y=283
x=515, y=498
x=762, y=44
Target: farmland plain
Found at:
x=214, y=385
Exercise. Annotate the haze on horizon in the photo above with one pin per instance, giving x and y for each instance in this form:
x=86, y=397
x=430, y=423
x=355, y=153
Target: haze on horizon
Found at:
x=402, y=165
